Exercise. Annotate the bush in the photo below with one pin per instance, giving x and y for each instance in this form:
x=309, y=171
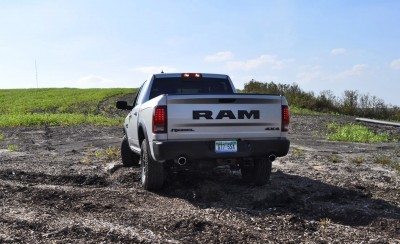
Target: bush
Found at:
x=351, y=103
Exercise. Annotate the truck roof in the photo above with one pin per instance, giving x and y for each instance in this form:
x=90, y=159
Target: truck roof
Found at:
x=205, y=75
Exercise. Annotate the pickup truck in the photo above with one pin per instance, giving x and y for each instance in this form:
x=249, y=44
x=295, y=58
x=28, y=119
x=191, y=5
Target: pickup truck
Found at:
x=186, y=120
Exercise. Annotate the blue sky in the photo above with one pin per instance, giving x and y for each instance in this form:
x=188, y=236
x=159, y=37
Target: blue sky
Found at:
x=321, y=45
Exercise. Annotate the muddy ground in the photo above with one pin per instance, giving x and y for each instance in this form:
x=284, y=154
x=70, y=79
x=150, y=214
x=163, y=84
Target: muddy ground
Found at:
x=61, y=185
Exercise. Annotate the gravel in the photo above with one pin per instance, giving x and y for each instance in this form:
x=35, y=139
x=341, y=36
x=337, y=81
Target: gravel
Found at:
x=59, y=186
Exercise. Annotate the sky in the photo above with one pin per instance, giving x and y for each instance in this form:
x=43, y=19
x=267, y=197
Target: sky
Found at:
x=321, y=45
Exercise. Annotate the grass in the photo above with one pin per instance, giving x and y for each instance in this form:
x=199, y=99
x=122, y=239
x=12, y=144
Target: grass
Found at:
x=61, y=100
x=334, y=159
x=390, y=161
x=305, y=111
x=357, y=160
x=92, y=155
x=59, y=106
x=382, y=159
x=12, y=147
x=2, y=137
x=49, y=119
x=112, y=153
x=325, y=221
x=354, y=133
x=302, y=111
x=88, y=155
x=297, y=151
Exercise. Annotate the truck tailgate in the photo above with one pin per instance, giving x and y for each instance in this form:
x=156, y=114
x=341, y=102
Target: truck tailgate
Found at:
x=233, y=116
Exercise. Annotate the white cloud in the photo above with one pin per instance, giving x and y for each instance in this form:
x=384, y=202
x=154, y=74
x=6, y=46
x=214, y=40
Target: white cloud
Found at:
x=310, y=74
x=219, y=57
x=148, y=70
x=337, y=51
x=94, y=81
x=271, y=60
x=357, y=70
x=395, y=64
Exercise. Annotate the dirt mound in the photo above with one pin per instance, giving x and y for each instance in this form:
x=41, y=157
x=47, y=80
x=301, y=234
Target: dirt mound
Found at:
x=55, y=188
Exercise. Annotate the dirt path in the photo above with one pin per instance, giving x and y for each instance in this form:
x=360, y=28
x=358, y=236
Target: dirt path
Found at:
x=60, y=185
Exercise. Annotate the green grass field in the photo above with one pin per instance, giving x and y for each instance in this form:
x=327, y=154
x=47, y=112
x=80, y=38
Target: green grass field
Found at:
x=61, y=106
x=354, y=133
x=68, y=106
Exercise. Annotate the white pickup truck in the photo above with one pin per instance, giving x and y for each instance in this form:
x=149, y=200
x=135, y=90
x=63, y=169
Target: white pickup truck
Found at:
x=189, y=120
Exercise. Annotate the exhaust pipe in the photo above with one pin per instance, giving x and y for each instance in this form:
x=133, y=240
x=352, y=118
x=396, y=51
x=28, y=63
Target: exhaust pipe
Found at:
x=181, y=161
x=272, y=157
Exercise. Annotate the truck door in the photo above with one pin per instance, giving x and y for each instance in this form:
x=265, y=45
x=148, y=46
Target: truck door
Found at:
x=132, y=129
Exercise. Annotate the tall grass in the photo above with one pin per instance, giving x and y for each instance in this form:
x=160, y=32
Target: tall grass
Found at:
x=58, y=106
x=354, y=133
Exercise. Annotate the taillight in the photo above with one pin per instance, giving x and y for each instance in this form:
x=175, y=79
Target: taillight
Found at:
x=285, y=118
x=160, y=120
x=191, y=75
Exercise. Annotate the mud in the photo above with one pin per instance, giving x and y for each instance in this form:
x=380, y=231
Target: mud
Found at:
x=62, y=185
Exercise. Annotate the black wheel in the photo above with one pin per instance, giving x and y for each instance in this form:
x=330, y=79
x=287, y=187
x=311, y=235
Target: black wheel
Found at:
x=247, y=172
x=262, y=171
x=129, y=158
x=152, y=171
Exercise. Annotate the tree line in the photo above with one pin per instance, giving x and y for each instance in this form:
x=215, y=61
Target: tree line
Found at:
x=352, y=102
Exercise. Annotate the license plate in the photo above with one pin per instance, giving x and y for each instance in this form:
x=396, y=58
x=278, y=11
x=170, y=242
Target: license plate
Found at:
x=225, y=146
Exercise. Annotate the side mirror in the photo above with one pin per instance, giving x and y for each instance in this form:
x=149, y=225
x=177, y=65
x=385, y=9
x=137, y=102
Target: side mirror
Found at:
x=123, y=105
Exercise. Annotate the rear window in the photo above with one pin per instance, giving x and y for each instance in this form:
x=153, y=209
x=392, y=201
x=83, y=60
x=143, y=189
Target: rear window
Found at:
x=179, y=85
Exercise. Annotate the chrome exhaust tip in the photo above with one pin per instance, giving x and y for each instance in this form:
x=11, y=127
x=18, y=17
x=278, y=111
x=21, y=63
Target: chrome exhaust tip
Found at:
x=272, y=157
x=181, y=161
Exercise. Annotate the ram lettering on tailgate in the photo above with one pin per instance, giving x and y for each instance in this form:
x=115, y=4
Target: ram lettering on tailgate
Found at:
x=241, y=114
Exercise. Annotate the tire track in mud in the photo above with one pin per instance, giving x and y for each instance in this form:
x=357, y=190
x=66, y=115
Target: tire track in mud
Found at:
x=51, y=196
x=74, y=211
x=42, y=178
x=82, y=213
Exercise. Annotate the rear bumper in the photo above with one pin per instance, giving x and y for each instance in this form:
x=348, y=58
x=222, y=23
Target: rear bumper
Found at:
x=206, y=149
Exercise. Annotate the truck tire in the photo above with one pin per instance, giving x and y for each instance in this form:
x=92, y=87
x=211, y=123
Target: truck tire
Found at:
x=152, y=171
x=129, y=158
x=247, y=172
x=262, y=171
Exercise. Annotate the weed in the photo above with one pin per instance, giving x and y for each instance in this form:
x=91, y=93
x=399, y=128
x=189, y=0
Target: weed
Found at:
x=334, y=159
x=86, y=160
x=88, y=155
x=2, y=137
x=354, y=133
x=357, y=160
x=395, y=165
x=104, y=155
x=297, y=151
x=332, y=127
x=112, y=153
x=12, y=147
x=382, y=159
x=397, y=152
x=388, y=160
x=98, y=154
x=325, y=221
